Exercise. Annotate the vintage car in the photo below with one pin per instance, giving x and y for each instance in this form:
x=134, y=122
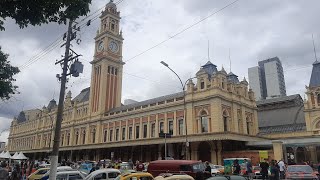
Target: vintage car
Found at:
x=135, y=176
x=104, y=174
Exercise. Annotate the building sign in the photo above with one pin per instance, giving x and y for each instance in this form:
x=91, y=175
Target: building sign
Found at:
x=263, y=155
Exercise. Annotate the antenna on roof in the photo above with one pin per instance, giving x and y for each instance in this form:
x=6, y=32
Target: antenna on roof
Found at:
x=230, y=60
x=314, y=49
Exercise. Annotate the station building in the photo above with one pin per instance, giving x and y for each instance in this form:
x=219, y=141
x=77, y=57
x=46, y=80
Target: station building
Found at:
x=218, y=117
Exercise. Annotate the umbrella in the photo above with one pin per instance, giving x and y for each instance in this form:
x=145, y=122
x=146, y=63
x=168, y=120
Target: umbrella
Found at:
x=21, y=156
x=15, y=155
x=6, y=155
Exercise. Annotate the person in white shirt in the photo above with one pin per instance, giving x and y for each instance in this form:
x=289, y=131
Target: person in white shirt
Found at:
x=281, y=168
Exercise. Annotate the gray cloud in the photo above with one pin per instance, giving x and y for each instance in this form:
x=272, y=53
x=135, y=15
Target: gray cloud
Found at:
x=253, y=30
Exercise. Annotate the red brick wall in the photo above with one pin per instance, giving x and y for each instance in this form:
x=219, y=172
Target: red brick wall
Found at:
x=252, y=154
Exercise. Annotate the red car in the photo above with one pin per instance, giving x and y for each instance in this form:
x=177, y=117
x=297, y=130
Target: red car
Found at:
x=300, y=172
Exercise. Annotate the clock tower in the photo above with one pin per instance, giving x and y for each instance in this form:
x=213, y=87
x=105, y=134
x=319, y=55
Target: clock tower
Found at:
x=107, y=64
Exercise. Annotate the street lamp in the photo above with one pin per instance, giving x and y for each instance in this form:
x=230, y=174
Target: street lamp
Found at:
x=184, y=107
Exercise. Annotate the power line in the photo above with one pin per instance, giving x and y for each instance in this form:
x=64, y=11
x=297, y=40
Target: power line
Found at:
x=57, y=42
x=180, y=32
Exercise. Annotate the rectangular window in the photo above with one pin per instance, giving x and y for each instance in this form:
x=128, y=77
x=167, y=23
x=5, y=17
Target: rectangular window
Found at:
x=117, y=134
x=170, y=124
x=180, y=126
x=137, y=132
x=153, y=129
x=105, y=136
x=161, y=127
x=123, y=133
x=111, y=134
x=130, y=133
x=145, y=131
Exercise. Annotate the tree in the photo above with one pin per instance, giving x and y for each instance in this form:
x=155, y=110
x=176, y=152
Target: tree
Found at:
x=37, y=12
x=6, y=77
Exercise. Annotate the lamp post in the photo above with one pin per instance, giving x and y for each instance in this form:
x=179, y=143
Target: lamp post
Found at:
x=184, y=108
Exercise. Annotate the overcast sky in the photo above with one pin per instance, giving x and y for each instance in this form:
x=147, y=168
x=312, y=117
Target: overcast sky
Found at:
x=252, y=30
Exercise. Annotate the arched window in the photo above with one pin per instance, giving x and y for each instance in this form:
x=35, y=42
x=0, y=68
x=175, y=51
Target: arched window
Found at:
x=83, y=136
x=225, y=122
x=62, y=138
x=68, y=139
x=248, y=120
x=318, y=98
x=93, y=135
x=204, y=122
x=77, y=137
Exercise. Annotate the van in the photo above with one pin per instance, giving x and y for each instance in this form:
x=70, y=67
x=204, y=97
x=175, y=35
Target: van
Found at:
x=190, y=167
x=228, y=164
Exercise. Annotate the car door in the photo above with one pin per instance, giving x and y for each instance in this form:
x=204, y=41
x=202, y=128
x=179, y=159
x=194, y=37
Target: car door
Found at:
x=75, y=176
x=101, y=176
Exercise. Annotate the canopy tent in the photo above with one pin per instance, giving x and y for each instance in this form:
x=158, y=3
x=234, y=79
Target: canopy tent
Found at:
x=15, y=155
x=6, y=155
x=21, y=156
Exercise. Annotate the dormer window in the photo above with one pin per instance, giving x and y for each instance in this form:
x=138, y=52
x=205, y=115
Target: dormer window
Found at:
x=201, y=85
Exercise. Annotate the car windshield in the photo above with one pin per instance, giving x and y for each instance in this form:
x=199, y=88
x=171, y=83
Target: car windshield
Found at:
x=305, y=169
x=198, y=167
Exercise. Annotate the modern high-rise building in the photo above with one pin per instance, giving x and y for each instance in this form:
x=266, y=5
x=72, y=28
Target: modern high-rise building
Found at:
x=267, y=79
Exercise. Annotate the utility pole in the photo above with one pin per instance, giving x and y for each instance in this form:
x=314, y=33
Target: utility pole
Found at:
x=75, y=68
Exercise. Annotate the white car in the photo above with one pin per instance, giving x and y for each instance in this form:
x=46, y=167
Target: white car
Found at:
x=70, y=175
x=104, y=174
x=214, y=169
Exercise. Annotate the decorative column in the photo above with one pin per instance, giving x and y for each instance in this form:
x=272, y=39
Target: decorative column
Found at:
x=99, y=133
x=277, y=149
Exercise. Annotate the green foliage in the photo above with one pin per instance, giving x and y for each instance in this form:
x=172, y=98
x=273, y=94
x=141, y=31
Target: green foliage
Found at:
x=37, y=12
x=6, y=77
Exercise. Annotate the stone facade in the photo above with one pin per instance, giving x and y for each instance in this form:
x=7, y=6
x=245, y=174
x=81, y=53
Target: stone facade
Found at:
x=218, y=108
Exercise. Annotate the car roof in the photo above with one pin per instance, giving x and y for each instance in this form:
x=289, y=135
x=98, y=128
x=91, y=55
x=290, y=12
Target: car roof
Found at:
x=137, y=174
x=175, y=161
x=108, y=170
x=69, y=172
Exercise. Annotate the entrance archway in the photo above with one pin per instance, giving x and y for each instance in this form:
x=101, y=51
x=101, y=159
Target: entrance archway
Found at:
x=204, y=152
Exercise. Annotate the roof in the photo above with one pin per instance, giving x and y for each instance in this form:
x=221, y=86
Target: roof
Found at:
x=282, y=129
x=21, y=117
x=52, y=104
x=281, y=116
x=278, y=100
x=83, y=96
x=315, y=75
x=147, y=102
x=174, y=162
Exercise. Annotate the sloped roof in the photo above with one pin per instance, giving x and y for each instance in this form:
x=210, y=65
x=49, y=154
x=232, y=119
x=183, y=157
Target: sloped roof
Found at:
x=52, y=104
x=21, y=117
x=83, y=96
x=149, y=101
x=278, y=100
x=282, y=129
x=315, y=75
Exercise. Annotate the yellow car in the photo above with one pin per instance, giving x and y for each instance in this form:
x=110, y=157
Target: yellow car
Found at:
x=135, y=176
x=38, y=174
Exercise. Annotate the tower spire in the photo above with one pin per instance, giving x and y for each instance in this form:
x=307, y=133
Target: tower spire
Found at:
x=314, y=49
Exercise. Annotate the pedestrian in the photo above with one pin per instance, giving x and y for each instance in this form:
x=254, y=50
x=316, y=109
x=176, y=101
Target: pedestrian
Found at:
x=282, y=169
x=139, y=166
x=248, y=168
x=208, y=168
x=319, y=168
x=4, y=174
x=16, y=173
x=236, y=167
x=274, y=171
x=264, y=169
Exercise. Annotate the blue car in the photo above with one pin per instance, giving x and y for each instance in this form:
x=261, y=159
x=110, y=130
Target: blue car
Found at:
x=86, y=167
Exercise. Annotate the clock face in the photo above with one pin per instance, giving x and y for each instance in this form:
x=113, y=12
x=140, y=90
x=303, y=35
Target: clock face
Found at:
x=100, y=46
x=113, y=46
